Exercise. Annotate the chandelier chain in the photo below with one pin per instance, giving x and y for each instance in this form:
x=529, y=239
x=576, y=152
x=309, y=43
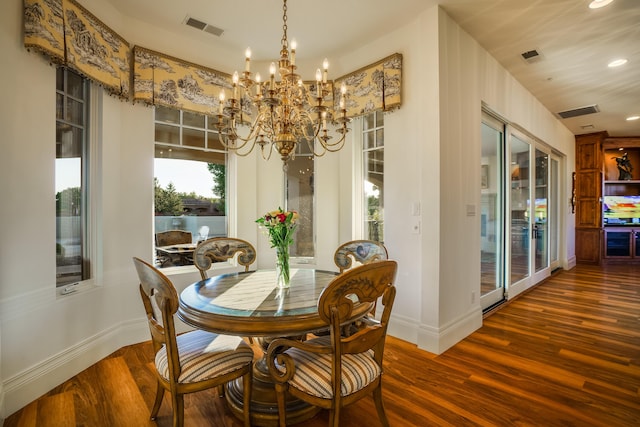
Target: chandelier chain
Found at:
x=284, y=25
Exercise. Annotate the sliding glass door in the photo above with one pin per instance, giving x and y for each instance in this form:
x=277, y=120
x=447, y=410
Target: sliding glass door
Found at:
x=491, y=217
x=519, y=211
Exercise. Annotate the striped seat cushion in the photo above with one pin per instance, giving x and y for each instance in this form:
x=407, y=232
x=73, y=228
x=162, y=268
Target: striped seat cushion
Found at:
x=204, y=355
x=313, y=371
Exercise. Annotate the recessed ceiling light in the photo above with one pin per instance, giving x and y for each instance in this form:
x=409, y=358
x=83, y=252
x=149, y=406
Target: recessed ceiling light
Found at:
x=595, y=4
x=631, y=118
x=617, y=62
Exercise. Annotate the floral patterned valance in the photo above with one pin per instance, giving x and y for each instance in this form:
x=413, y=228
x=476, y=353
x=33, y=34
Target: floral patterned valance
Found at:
x=72, y=36
x=44, y=28
x=376, y=87
x=159, y=79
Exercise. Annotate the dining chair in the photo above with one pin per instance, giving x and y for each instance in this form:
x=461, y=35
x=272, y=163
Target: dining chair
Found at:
x=221, y=249
x=193, y=361
x=360, y=251
x=172, y=237
x=334, y=371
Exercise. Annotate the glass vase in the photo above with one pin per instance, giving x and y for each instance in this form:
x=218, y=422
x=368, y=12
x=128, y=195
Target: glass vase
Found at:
x=282, y=266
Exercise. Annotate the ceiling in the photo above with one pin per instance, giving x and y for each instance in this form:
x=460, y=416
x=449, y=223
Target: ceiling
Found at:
x=574, y=43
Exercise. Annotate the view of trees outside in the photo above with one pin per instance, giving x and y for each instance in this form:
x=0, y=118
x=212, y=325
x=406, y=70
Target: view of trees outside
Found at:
x=169, y=202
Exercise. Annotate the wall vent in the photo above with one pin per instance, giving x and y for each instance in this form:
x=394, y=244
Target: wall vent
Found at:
x=589, y=109
x=203, y=26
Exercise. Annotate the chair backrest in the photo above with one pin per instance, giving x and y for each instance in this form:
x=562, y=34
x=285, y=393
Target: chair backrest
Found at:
x=221, y=249
x=362, y=251
x=173, y=237
x=365, y=283
x=157, y=290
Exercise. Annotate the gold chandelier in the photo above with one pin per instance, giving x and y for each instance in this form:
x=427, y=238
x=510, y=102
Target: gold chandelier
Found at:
x=286, y=111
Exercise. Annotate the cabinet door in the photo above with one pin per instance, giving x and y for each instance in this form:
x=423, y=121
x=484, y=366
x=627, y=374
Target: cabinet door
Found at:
x=588, y=149
x=617, y=243
x=588, y=245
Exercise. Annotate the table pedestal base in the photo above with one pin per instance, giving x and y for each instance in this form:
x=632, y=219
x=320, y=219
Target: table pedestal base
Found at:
x=264, y=405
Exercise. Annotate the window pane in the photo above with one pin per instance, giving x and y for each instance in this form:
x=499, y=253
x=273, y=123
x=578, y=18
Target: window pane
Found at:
x=213, y=142
x=373, y=157
x=374, y=191
x=380, y=137
x=369, y=121
x=379, y=119
x=71, y=189
x=167, y=115
x=192, y=119
x=74, y=113
x=75, y=85
x=60, y=79
x=167, y=134
x=300, y=198
x=59, y=106
x=193, y=138
x=369, y=140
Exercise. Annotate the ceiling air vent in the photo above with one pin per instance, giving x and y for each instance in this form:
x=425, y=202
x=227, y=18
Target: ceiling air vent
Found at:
x=589, y=109
x=531, y=56
x=203, y=26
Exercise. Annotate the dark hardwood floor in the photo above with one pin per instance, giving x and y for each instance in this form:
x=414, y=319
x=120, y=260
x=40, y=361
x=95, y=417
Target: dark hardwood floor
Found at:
x=567, y=353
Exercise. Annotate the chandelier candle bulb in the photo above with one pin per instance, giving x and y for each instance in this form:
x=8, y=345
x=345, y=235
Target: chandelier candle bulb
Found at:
x=272, y=71
x=221, y=104
x=235, y=85
x=293, y=51
x=325, y=66
x=247, y=61
x=319, y=82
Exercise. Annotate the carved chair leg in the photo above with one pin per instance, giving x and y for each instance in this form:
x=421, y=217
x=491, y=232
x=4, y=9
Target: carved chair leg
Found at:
x=282, y=413
x=377, y=398
x=178, y=410
x=158, y=400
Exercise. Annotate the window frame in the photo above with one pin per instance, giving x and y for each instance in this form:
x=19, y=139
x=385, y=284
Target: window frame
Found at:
x=89, y=99
x=378, y=126
x=210, y=141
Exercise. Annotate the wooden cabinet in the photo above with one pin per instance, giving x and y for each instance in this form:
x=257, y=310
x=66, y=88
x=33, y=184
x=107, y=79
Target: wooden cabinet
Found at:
x=588, y=197
x=598, y=174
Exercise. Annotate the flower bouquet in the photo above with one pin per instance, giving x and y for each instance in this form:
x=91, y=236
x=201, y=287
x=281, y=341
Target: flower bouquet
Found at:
x=281, y=226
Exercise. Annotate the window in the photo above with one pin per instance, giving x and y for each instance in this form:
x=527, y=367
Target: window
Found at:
x=71, y=182
x=300, y=197
x=190, y=176
x=373, y=175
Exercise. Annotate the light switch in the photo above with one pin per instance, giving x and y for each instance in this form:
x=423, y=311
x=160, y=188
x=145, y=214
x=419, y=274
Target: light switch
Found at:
x=471, y=210
x=415, y=209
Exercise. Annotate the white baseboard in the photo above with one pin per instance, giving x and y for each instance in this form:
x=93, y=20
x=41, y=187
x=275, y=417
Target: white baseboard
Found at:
x=25, y=387
x=438, y=340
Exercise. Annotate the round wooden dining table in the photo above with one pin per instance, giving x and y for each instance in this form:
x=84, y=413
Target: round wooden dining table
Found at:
x=250, y=304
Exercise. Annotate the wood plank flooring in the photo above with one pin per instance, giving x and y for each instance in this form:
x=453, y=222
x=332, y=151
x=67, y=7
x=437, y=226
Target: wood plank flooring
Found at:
x=567, y=353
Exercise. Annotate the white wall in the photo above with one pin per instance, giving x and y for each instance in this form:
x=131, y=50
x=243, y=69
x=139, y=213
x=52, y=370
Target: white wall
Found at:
x=432, y=149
